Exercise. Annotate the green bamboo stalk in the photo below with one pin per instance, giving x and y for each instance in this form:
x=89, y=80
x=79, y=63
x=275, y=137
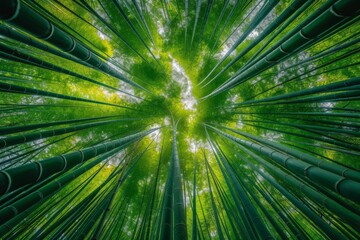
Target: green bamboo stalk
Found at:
x=317, y=136
x=82, y=209
x=121, y=10
x=329, y=166
x=180, y=229
x=33, y=172
x=27, y=154
x=339, y=13
x=274, y=223
x=198, y=9
x=324, y=226
x=29, y=137
x=280, y=212
x=186, y=2
x=215, y=210
x=269, y=5
x=206, y=17
x=7, y=87
x=119, y=209
x=295, y=7
x=222, y=13
x=15, y=129
x=39, y=195
x=349, y=114
x=241, y=5
x=59, y=220
x=20, y=15
x=13, y=34
x=105, y=211
x=194, y=231
x=150, y=225
x=166, y=221
x=243, y=20
x=347, y=215
x=324, y=67
x=86, y=6
x=351, y=95
x=142, y=17
x=20, y=56
x=222, y=200
x=346, y=187
x=20, y=217
x=311, y=127
x=325, y=88
x=319, y=10
x=255, y=218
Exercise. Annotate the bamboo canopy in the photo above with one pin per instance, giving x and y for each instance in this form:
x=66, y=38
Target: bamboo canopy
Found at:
x=178, y=119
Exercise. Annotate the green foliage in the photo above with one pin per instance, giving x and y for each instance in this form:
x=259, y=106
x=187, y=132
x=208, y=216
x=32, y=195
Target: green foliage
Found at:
x=274, y=145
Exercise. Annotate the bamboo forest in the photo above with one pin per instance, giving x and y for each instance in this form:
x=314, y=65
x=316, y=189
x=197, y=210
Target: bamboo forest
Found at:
x=180, y=119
